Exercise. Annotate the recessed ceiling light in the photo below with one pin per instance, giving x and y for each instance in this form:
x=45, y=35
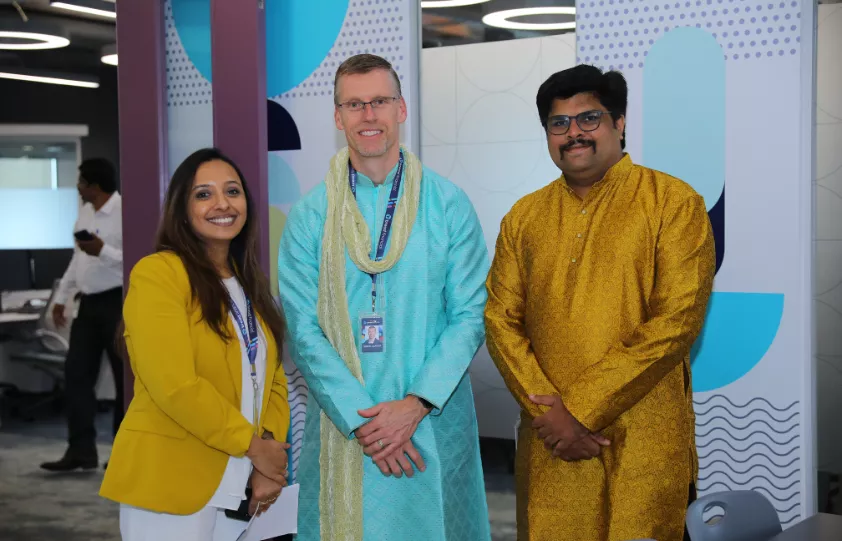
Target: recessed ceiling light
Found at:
x=501, y=19
x=109, y=55
x=27, y=148
x=31, y=40
x=89, y=7
x=450, y=3
x=34, y=76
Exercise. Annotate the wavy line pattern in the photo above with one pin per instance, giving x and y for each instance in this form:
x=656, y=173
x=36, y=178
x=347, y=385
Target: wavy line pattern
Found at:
x=751, y=446
x=298, y=395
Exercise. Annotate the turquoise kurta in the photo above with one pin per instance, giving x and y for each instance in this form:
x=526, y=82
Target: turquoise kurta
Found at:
x=433, y=301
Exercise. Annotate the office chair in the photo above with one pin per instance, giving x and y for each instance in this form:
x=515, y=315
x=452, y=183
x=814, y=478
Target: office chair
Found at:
x=748, y=516
x=46, y=352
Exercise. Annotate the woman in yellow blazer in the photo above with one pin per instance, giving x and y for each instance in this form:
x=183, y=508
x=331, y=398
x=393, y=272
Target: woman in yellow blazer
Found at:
x=210, y=409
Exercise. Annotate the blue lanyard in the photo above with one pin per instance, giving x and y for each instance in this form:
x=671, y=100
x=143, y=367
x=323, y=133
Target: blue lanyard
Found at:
x=387, y=219
x=249, y=334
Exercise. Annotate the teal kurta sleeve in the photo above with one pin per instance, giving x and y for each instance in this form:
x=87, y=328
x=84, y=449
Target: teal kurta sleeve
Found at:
x=337, y=391
x=465, y=296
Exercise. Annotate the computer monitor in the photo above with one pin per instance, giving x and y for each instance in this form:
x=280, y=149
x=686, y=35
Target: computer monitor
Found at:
x=15, y=270
x=49, y=266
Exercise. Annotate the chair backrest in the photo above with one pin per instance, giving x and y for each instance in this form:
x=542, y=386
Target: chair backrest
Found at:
x=748, y=516
x=52, y=338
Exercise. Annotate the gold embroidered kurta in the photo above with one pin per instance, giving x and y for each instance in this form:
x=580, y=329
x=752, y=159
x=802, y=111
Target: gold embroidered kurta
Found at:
x=599, y=301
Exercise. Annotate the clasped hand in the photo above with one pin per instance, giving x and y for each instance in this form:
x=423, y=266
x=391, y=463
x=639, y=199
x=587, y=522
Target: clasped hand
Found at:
x=387, y=438
x=562, y=433
x=269, y=476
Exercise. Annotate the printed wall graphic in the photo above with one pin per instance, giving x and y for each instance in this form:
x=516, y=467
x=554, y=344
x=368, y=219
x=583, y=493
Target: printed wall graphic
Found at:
x=703, y=75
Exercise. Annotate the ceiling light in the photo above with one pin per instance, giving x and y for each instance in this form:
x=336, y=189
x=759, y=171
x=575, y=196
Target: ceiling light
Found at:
x=109, y=55
x=27, y=148
x=34, y=76
x=500, y=19
x=89, y=7
x=450, y=3
x=36, y=40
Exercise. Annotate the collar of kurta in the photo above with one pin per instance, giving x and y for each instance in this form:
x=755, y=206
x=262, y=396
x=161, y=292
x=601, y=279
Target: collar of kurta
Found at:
x=363, y=180
x=619, y=171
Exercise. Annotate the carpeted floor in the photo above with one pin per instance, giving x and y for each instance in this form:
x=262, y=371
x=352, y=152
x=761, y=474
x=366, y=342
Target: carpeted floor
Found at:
x=38, y=506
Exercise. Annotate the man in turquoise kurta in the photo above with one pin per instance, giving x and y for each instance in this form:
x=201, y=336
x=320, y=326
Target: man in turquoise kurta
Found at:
x=390, y=447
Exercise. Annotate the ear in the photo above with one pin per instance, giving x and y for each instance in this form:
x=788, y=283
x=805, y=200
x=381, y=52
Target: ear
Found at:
x=620, y=125
x=402, y=111
x=338, y=119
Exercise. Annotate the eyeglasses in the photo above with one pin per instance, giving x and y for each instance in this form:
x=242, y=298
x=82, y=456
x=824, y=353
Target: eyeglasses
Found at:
x=359, y=106
x=587, y=121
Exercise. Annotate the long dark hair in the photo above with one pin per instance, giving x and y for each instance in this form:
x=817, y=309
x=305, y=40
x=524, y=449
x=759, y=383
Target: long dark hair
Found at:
x=176, y=235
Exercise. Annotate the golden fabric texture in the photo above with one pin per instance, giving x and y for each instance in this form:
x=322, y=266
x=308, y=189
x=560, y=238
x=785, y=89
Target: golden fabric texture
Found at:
x=599, y=301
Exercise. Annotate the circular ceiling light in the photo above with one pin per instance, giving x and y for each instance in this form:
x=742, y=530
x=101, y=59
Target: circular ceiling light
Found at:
x=109, y=55
x=501, y=19
x=17, y=40
x=450, y=3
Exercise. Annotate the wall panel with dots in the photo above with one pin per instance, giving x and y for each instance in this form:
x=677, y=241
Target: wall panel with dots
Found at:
x=617, y=34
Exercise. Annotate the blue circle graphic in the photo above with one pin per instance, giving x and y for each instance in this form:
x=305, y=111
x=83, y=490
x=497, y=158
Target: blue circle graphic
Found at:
x=299, y=35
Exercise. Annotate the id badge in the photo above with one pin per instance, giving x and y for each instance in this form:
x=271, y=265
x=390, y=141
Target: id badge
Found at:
x=372, y=333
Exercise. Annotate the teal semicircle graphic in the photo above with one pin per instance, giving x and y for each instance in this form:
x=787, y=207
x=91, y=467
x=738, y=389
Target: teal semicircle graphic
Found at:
x=739, y=329
x=299, y=35
x=684, y=110
x=283, y=184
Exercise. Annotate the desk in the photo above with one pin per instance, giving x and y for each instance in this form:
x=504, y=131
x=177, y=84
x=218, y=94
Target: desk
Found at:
x=17, y=317
x=821, y=527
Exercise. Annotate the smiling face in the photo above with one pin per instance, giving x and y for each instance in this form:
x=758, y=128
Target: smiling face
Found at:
x=217, y=208
x=582, y=154
x=372, y=334
x=372, y=131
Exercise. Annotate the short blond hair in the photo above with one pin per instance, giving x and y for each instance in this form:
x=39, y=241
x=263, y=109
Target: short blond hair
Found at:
x=363, y=63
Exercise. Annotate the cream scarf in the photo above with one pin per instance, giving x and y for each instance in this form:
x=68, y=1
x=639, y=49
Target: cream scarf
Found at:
x=341, y=459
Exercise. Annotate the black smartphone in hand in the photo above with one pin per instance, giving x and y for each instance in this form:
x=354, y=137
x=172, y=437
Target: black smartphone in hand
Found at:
x=242, y=513
x=83, y=235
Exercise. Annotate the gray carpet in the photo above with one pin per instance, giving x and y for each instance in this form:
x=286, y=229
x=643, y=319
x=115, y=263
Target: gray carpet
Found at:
x=38, y=506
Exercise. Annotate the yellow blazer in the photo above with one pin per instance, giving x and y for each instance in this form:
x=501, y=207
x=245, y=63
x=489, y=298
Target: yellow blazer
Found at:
x=184, y=420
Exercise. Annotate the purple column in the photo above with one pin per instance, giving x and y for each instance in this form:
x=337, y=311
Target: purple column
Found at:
x=142, y=108
x=238, y=38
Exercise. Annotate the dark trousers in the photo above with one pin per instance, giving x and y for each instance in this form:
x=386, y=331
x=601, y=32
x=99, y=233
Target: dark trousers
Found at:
x=93, y=331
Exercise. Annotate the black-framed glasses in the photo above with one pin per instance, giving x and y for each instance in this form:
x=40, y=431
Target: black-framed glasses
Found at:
x=587, y=121
x=359, y=106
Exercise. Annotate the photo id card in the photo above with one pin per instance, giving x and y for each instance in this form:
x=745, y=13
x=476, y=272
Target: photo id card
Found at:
x=372, y=333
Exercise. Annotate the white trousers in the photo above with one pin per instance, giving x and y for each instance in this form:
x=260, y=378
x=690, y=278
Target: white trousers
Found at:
x=209, y=524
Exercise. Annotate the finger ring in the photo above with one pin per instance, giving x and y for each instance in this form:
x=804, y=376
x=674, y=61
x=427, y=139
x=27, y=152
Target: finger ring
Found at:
x=380, y=443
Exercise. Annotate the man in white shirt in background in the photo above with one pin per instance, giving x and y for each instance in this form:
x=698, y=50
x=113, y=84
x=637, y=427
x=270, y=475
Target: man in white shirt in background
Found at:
x=96, y=272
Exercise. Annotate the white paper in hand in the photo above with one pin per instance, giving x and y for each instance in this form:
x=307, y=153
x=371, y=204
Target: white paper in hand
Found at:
x=280, y=519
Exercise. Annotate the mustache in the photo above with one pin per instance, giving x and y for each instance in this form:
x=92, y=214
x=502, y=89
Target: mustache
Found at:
x=578, y=141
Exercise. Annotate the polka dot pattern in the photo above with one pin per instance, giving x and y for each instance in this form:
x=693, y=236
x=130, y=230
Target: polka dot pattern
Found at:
x=617, y=34
x=378, y=27
x=185, y=85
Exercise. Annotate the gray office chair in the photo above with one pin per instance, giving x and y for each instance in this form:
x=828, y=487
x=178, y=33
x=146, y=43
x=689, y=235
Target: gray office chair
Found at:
x=748, y=516
x=46, y=352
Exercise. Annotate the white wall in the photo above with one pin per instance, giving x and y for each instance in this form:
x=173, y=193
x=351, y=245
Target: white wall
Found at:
x=480, y=129
x=829, y=237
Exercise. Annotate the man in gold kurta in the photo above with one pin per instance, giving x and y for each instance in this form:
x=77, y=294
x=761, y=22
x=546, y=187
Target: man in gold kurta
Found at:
x=597, y=292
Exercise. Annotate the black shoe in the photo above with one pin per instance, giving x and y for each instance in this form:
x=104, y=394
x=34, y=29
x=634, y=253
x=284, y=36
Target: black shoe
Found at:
x=70, y=463
x=105, y=465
